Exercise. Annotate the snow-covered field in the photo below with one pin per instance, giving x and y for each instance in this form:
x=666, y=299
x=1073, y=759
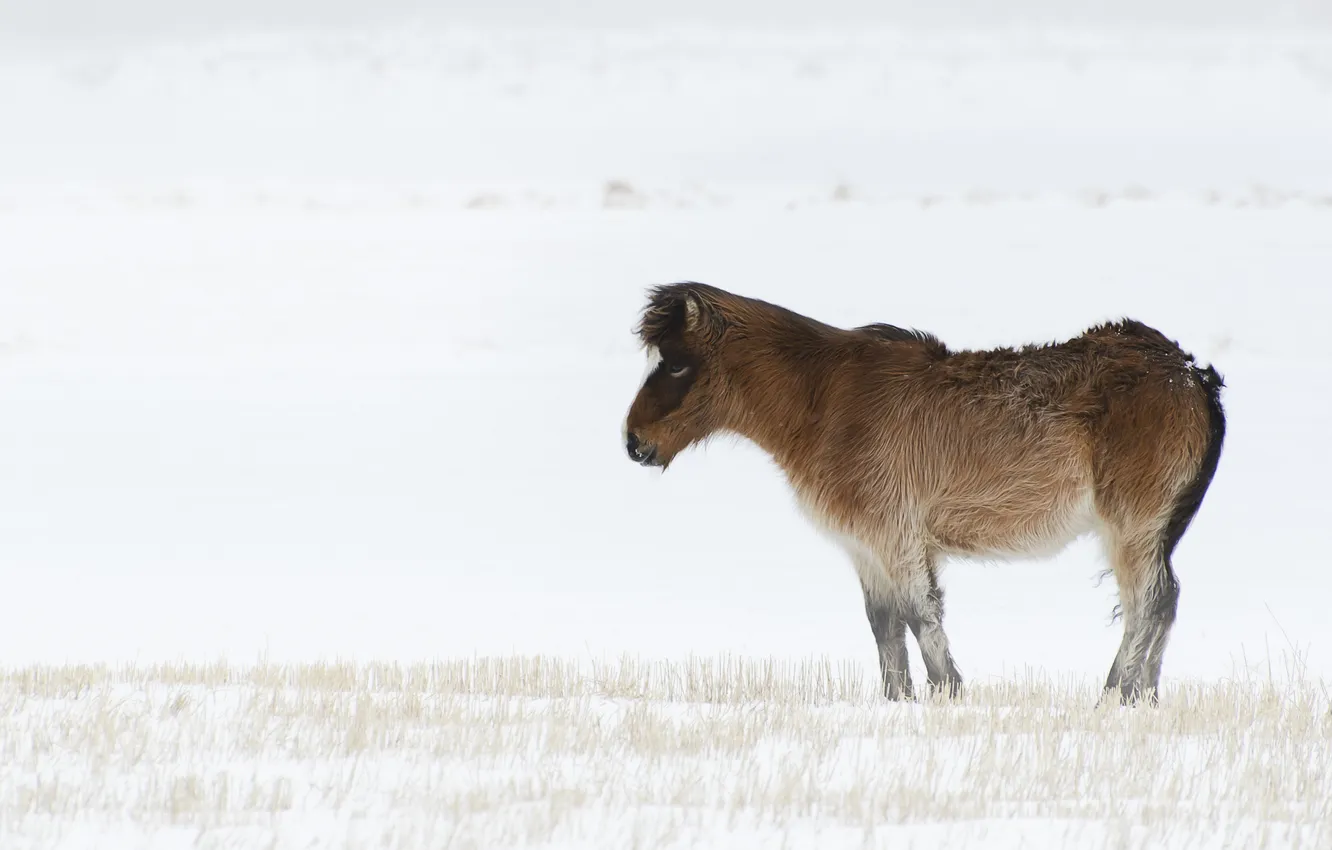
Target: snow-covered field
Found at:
x=730, y=753
x=314, y=350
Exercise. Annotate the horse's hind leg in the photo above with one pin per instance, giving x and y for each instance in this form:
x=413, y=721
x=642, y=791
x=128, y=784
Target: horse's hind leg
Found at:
x=1148, y=598
x=1150, y=481
x=1165, y=601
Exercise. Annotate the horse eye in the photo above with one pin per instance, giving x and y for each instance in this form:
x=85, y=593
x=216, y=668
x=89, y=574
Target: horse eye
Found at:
x=679, y=371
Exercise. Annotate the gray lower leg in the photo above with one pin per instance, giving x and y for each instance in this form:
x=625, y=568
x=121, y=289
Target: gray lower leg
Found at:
x=1151, y=679
x=925, y=618
x=890, y=634
x=1125, y=677
x=1136, y=672
x=1164, y=605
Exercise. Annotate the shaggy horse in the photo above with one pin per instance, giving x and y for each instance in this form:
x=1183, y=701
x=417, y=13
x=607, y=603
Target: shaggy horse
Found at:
x=905, y=452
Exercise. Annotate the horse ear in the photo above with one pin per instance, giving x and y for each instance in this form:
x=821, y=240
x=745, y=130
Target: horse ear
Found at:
x=701, y=318
x=693, y=312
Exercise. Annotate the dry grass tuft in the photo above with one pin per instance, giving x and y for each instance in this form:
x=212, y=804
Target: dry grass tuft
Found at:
x=492, y=752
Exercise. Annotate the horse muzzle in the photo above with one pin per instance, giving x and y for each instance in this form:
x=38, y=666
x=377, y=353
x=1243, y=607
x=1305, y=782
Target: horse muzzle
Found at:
x=640, y=453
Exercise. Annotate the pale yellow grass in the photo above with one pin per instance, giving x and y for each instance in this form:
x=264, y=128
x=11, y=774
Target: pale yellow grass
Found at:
x=507, y=752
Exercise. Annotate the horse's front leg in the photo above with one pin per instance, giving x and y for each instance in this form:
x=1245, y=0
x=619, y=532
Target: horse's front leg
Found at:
x=889, y=627
x=923, y=604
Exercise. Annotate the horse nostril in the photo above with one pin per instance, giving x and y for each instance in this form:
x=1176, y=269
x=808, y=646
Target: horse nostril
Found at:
x=631, y=443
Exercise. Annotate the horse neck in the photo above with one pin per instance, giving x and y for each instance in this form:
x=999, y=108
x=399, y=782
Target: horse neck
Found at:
x=776, y=396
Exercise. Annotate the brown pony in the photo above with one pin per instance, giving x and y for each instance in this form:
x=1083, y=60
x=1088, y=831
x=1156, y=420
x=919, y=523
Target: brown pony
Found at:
x=905, y=452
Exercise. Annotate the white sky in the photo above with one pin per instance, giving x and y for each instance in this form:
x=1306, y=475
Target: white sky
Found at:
x=98, y=19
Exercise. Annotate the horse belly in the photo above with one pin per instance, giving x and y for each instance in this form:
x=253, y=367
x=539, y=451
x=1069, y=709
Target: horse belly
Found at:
x=1016, y=525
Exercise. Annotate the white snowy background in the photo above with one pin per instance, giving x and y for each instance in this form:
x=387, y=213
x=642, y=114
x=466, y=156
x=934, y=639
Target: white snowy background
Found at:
x=315, y=347
x=315, y=319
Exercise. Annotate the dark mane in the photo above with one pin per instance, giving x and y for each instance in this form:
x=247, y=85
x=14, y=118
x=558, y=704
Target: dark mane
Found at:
x=665, y=310
x=893, y=333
